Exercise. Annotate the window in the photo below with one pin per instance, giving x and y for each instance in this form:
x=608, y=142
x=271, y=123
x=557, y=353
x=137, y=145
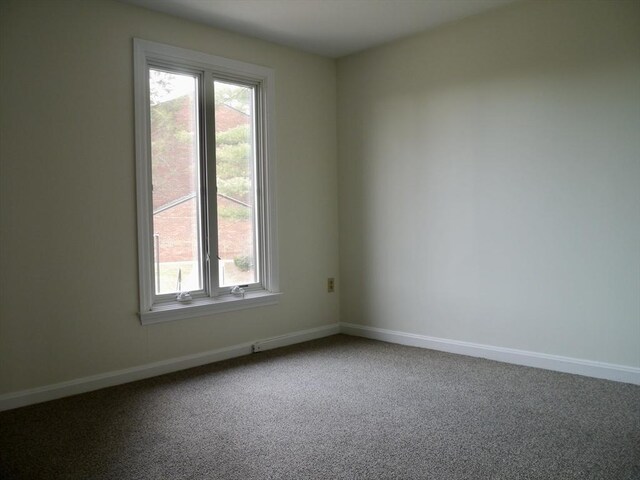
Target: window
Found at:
x=205, y=183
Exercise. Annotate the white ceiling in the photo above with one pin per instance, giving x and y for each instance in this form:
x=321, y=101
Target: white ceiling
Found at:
x=333, y=28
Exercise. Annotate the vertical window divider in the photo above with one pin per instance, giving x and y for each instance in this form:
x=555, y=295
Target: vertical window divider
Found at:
x=211, y=189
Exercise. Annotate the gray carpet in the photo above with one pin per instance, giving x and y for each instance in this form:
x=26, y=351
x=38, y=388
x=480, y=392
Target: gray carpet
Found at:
x=335, y=408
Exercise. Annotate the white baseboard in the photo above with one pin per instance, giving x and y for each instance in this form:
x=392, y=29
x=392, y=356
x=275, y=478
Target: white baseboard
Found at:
x=296, y=337
x=620, y=373
x=109, y=379
x=589, y=368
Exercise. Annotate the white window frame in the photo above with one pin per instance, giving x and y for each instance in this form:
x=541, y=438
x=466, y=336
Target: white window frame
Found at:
x=158, y=308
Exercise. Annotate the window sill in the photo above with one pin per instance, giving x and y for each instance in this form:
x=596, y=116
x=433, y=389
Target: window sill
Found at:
x=206, y=306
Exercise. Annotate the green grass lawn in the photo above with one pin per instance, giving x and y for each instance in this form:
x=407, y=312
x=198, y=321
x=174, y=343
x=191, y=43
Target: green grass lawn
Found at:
x=232, y=275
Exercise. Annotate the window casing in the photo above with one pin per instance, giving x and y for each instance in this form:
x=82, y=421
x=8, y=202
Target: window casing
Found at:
x=178, y=94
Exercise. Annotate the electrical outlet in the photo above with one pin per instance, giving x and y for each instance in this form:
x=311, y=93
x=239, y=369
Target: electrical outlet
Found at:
x=331, y=285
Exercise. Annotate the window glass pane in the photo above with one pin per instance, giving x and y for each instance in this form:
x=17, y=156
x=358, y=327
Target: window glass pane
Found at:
x=235, y=178
x=176, y=181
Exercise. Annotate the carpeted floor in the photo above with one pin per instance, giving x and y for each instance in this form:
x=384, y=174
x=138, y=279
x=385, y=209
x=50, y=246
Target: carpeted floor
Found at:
x=335, y=408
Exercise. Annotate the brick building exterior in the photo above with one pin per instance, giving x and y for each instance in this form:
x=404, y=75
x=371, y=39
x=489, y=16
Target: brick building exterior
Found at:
x=175, y=176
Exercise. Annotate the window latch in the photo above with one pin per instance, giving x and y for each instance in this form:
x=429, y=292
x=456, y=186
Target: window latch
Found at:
x=238, y=291
x=182, y=297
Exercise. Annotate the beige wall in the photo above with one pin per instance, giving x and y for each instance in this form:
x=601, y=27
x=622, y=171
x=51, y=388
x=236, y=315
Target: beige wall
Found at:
x=488, y=175
x=489, y=178
x=68, y=226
